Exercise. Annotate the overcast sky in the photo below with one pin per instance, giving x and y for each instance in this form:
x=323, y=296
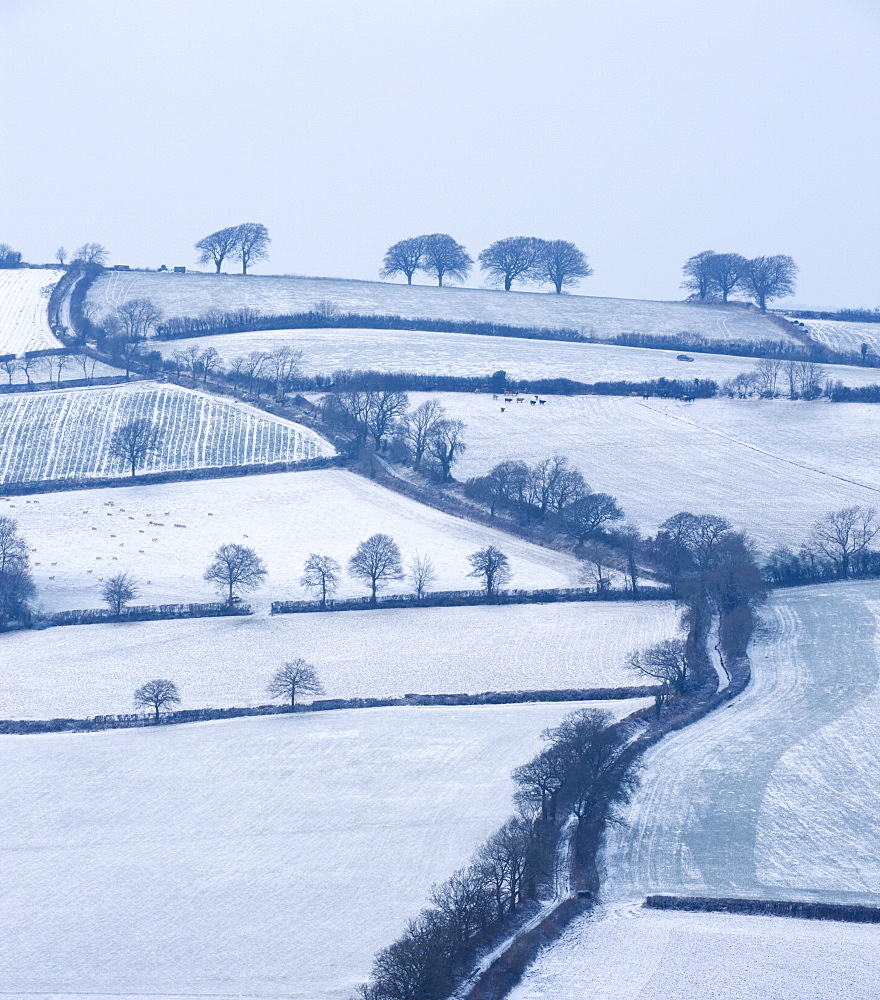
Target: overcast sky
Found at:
x=643, y=130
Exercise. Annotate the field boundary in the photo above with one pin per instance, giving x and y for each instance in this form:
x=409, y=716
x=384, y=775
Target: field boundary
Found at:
x=801, y=909
x=468, y=598
x=171, y=476
x=97, y=723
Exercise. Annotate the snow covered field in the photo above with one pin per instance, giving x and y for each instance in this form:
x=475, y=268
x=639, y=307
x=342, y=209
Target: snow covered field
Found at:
x=66, y=434
x=24, y=299
x=845, y=335
x=774, y=796
x=84, y=670
x=327, y=351
x=255, y=857
x=773, y=467
x=635, y=954
x=197, y=294
x=164, y=535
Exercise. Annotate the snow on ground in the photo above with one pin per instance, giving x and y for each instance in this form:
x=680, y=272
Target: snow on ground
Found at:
x=845, y=335
x=755, y=782
x=327, y=351
x=165, y=534
x=66, y=434
x=197, y=294
x=772, y=466
x=774, y=796
x=24, y=300
x=254, y=857
x=636, y=954
x=83, y=670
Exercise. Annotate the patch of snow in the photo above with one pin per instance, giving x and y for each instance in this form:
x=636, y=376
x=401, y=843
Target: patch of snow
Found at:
x=66, y=434
x=83, y=670
x=772, y=466
x=24, y=301
x=330, y=350
x=165, y=534
x=197, y=294
x=254, y=857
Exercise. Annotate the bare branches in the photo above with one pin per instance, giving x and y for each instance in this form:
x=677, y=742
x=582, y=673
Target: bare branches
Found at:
x=376, y=561
x=156, y=695
x=236, y=566
x=293, y=678
x=134, y=441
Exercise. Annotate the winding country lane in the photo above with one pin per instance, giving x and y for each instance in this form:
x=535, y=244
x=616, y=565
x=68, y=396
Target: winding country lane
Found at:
x=706, y=792
x=776, y=795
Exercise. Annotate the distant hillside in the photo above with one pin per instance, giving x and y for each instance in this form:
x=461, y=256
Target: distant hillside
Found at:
x=197, y=294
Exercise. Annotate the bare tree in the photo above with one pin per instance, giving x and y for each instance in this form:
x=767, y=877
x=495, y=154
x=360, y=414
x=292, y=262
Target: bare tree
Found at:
x=445, y=444
x=61, y=256
x=421, y=574
x=209, y=361
x=562, y=264
x=541, y=780
x=11, y=368
x=8, y=256
x=236, y=566
x=252, y=244
x=91, y=253
x=842, y=535
x=293, y=678
x=88, y=365
x=118, y=591
x=768, y=372
x=588, y=513
x=321, y=574
x=491, y=566
x=553, y=484
x=418, y=426
x=598, y=559
x=134, y=441
x=768, y=278
x=511, y=259
x=128, y=352
x=16, y=584
x=156, y=695
x=666, y=662
x=697, y=272
x=284, y=365
x=27, y=365
x=61, y=361
x=726, y=272
x=137, y=318
x=443, y=257
x=384, y=408
x=216, y=247
x=376, y=561
x=404, y=257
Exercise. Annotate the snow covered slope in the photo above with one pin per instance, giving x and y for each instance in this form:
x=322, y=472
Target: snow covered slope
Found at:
x=66, y=434
x=844, y=335
x=773, y=467
x=24, y=298
x=633, y=954
x=327, y=351
x=262, y=857
x=197, y=294
x=84, y=670
x=774, y=796
x=164, y=535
